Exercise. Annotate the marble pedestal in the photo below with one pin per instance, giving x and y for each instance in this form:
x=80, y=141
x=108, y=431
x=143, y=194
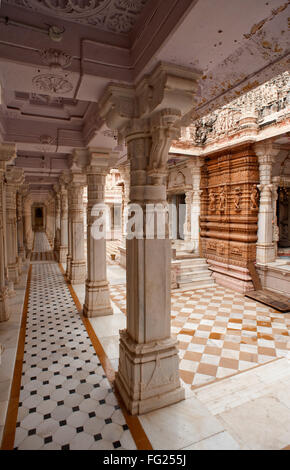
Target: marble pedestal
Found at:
x=97, y=301
x=148, y=376
x=4, y=305
x=77, y=272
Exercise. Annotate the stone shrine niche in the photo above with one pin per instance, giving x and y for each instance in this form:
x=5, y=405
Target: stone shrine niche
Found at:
x=229, y=215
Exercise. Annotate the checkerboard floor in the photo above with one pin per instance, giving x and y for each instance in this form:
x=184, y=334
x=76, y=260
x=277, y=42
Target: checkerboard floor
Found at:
x=221, y=332
x=66, y=401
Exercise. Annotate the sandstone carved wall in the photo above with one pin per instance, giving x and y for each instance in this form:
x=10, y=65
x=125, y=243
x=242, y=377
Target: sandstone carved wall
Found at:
x=229, y=215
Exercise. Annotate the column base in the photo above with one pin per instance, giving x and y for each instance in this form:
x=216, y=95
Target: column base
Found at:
x=4, y=305
x=148, y=376
x=265, y=253
x=20, y=264
x=13, y=273
x=68, y=262
x=62, y=254
x=22, y=254
x=97, y=301
x=10, y=287
x=77, y=272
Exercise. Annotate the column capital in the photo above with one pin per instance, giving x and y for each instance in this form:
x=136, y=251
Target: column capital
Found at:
x=7, y=154
x=266, y=151
x=168, y=86
x=100, y=161
x=14, y=176
x=195, y=163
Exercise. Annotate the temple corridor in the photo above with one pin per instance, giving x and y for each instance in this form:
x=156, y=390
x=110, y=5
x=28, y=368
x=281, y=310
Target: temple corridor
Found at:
x=144, y=226
x=67, y=398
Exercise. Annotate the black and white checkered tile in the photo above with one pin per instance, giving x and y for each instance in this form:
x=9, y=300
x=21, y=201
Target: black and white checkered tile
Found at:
x=66, y=401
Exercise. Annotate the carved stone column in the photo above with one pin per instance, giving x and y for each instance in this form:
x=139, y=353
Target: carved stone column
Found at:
x=20, y=238
x=50, y=220
x=14, y=177
x=187, y=223
x=77, y=268
x=7, y=153
x=265, y=245
x=63, y=249
x=28, y=232
x=275, y=218
x=148, y=117
x=69, y=235
x=125, y=174
x=57, y=222
x=195, y=167
x=97, y=301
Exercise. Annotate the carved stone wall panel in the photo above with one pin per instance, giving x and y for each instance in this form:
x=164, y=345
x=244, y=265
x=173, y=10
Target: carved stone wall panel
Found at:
x=229, y=213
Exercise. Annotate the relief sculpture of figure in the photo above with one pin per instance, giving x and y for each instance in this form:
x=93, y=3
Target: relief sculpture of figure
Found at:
x=254, y=198
x=212, y=201
x=237, y=200
x=222, y=200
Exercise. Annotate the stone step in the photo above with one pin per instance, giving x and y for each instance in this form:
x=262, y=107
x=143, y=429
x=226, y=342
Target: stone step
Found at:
x=193, y=262
x=193, y=269
x=198, y=284
x=192, y=276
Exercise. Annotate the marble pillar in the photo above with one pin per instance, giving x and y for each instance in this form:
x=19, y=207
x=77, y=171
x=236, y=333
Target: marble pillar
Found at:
x=14, y=177
x=195, y=168
x=20, y=239
x=77, y=267
x=69, y=236
x=63, y=224
x=50, y=220
x=266, y=153
x=187, y=224
x=97, y=300
x=148, y=117
x=7, y=153
x=28, y=232
x=57, y=222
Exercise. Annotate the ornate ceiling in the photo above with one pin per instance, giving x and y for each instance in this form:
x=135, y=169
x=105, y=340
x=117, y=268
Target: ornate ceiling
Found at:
x=118, y=16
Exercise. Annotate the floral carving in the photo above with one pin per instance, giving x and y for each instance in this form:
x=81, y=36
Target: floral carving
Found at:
x=110, y=15
x=51, y=83
x=55, y=58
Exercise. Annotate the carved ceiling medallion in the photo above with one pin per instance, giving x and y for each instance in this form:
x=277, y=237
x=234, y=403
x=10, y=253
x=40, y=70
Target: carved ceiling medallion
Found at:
x=51, y=83
x=76, y=9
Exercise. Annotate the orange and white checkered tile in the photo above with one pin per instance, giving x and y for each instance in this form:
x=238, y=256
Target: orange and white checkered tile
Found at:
x=221, y=332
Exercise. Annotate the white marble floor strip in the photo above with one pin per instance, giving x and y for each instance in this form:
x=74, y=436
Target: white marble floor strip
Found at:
x=66, y=401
